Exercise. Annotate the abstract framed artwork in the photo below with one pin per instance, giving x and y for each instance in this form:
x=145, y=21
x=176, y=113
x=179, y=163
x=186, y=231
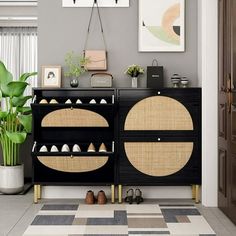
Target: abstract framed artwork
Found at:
x=161, y=25
x=51, y=76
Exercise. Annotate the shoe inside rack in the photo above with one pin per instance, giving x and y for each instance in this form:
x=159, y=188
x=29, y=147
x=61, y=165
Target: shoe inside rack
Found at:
x=78, y=101
x=54, y=149
x=43, y=149
x=76, y=148
x=65, y=148
x=53, y=101
x=68, y=101
x=43, y=101
x=93, y=101
x=103, y=101
x=91, y=148
x=102, y=148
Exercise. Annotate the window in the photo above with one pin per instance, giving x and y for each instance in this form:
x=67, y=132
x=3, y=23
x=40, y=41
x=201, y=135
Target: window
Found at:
x=18, y=51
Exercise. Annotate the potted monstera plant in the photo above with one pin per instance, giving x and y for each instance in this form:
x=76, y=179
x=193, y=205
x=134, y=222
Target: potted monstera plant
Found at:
x=15, y=123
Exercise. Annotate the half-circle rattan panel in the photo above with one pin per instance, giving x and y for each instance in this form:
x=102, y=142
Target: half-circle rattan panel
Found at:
x=158, y=113
x=75, y=164
x=74, y=118
x=158, y=159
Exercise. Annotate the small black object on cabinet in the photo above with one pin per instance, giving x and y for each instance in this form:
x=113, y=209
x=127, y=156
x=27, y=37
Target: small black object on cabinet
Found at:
x=155, y=76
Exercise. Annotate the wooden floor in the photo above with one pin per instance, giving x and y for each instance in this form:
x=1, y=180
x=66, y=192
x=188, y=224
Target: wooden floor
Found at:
x=17, y=212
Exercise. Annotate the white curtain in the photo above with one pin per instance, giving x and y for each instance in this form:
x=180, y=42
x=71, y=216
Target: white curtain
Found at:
x=18, y=51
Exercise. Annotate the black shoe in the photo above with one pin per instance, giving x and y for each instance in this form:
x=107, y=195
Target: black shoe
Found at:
x=138, y=196
x=129, y=196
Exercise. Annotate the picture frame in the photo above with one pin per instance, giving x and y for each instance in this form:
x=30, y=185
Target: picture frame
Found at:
x=161, y=26
x=51, y=76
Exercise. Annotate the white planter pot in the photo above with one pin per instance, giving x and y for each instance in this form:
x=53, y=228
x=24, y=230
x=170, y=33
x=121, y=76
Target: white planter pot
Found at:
x=11, y=179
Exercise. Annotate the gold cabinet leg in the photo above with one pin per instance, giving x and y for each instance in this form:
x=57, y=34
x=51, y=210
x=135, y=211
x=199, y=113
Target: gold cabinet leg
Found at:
x=35, y=194
x=120, y=194
x=39, y=191
x=194, y=192
x=197, y=200
x=113, y=193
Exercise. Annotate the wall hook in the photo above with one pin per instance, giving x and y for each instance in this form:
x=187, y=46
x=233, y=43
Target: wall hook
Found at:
x=74, y=1
x=116, y=1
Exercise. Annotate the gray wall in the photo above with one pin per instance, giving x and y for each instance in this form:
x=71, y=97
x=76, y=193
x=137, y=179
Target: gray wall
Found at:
x=64, y=29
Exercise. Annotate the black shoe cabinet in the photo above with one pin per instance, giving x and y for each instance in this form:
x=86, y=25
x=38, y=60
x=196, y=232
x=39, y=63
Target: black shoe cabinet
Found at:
x=153, y=137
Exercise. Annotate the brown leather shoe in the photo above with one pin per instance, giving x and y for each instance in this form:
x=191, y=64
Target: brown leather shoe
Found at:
x=90, y=199
x=102, y=199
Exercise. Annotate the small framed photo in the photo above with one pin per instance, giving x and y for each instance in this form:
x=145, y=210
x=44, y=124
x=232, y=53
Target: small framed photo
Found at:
x=51, y=76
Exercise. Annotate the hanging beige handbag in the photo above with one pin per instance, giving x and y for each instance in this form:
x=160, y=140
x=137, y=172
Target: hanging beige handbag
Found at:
x=97, y=58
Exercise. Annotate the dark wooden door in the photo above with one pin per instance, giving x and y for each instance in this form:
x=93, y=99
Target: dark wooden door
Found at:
x=227, y=110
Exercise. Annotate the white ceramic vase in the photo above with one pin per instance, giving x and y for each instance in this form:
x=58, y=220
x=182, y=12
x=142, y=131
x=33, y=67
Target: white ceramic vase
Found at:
x=11, y=179
x=134, y=82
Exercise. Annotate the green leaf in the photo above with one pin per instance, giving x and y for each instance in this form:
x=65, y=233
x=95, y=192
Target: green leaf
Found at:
x=5, y=78
x=16, y=137
x=16, y=88
x=25, y=76
x=0, y=95
x=26, y=121
x=20, y=101
x=3, y=114
x=24, y=109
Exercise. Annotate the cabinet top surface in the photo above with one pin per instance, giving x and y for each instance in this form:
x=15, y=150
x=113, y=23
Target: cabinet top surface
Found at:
x=111, y=89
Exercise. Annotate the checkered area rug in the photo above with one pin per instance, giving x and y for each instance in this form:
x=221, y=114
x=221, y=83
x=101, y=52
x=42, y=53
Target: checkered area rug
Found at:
x=119, y=220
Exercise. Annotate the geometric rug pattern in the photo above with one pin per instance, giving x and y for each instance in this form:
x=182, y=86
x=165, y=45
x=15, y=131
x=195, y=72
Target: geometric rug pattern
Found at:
x=119, y=220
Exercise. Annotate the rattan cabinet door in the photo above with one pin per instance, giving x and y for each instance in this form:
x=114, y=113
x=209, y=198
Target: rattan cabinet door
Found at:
x=160, y=137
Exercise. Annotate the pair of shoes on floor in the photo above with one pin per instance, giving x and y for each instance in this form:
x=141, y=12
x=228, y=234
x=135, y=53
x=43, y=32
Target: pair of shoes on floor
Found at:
x=134, y=196
x=101, y=198
x=102, y=148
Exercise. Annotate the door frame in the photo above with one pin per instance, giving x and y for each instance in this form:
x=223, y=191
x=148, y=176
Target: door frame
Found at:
x=208, y=79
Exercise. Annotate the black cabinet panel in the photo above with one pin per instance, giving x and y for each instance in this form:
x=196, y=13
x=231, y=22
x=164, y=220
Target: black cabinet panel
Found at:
x=46, y=175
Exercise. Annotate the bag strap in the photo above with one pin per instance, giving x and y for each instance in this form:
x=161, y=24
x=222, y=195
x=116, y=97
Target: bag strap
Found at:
x=90, y=20
x=154, y=61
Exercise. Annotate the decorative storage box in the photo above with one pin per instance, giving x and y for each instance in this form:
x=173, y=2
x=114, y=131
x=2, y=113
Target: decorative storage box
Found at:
x=101, y=80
